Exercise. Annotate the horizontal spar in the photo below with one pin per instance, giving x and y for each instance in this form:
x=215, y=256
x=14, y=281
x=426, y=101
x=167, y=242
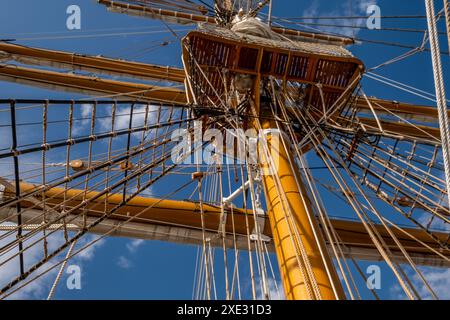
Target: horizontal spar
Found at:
x=406, y=111
x=90, y=85
x=180, y=222
x=118, y=67
x=405, y=130
x=97, y=64
x=187, y=18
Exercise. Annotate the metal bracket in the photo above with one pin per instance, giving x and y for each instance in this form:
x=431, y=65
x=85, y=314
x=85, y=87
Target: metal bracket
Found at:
x=259, y=211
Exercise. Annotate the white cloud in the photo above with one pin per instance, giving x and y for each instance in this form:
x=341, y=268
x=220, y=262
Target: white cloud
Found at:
x=80, y=126
x=39, y=288
x=86, y=110
x=103, y=121
x=88, y=253
x=133, y=245
x=437, y=278
x=122, y=118
x=10, y=270
x=356, y=8
x=276, y=291
x=439, y=281
x=312, y=10
x=124, y=263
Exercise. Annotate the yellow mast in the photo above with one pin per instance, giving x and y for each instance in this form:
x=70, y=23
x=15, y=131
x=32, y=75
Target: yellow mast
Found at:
x=298, y=283
x=290, y=215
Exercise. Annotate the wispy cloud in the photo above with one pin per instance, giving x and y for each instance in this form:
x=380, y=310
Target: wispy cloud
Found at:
x=81, y=125
x=88, y=253
x=437, y=278
x=275, y=290
x=10, y=269
x=133, y=245
x=346, y=8
x=39, y=288
x=124, y=263
x=122, y=118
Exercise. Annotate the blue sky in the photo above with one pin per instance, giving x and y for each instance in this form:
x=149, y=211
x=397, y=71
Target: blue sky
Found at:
x=121, y=268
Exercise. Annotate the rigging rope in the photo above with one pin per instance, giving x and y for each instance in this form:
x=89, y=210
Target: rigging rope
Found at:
x=440, y=90
x=447, y=19
x=358, y=17
x=60, y=272
x=409, y=30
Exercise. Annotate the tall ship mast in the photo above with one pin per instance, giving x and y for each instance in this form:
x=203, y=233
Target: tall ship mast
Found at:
x=249, y=139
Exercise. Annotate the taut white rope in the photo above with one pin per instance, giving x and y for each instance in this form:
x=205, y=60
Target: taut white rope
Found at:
x=447, y=19
x=440, y=89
